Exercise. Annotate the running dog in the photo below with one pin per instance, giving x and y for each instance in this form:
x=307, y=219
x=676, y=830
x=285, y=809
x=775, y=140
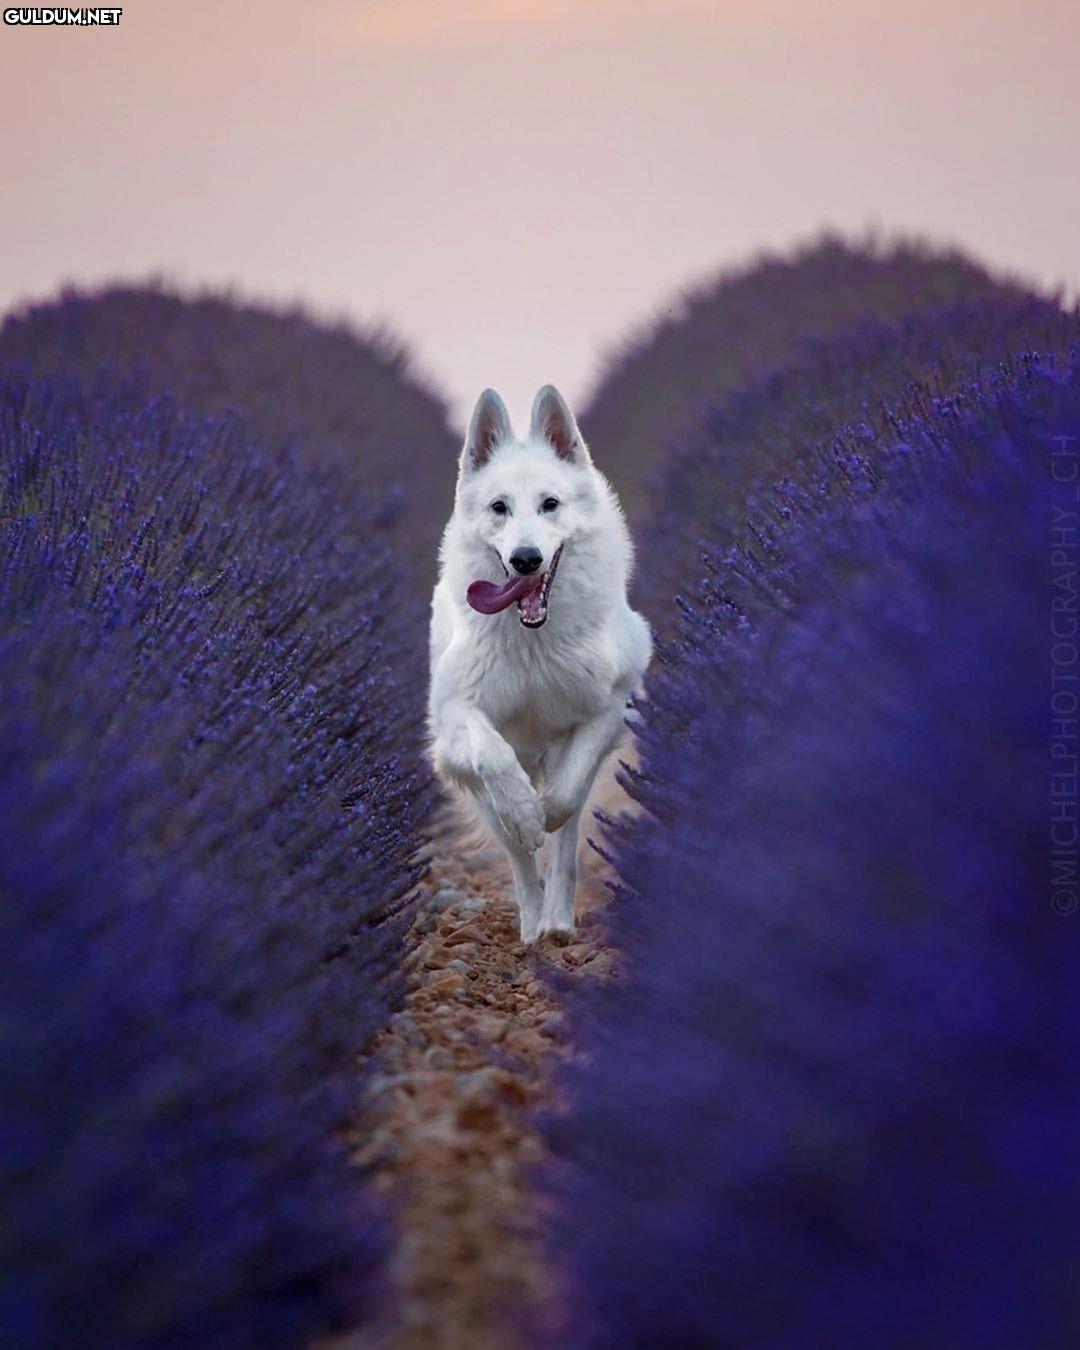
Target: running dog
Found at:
x=534, y=647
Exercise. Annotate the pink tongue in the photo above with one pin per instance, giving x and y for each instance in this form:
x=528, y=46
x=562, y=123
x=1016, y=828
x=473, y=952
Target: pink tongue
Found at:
x=488, y=598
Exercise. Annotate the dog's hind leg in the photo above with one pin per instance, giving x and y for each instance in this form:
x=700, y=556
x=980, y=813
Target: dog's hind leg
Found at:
x=525, y=865
x=560, y=884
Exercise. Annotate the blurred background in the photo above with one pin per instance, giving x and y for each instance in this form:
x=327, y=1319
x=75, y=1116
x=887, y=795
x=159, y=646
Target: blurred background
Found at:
x=800, y=268
x=516, y=184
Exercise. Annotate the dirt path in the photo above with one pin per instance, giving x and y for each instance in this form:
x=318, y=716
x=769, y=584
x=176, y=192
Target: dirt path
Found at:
x=462, y=1065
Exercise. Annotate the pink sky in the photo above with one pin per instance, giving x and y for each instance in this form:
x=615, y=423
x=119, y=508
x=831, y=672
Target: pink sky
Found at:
x=514, y=185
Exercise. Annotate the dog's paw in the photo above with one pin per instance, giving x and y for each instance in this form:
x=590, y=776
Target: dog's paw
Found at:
x=519, y=810
x=530, y=931
x=557, y=934
x=557, y=916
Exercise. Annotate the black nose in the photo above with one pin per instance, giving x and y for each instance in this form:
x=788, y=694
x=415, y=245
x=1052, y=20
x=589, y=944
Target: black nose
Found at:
x=526, y=560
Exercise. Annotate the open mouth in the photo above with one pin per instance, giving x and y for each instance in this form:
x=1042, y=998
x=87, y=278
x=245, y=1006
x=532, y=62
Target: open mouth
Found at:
x=530, y=592
x=533, y=605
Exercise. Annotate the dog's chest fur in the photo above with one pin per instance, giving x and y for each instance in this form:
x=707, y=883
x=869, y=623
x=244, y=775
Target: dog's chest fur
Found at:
x=537, y=684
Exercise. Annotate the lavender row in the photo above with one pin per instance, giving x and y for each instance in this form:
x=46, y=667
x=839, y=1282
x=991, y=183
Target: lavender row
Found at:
x=727, y=331
x=708, y=491
x=210, y=802
x=835, y=1103
x=347, y=399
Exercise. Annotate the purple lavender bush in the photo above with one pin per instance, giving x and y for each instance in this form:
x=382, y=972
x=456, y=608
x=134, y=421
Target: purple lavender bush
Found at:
x=342, y=398
x=732, y=328
x=836, y=1102
x=211, y=797
x=774, y=426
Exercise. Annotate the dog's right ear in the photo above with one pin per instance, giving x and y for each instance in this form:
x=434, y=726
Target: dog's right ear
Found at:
x=488, y=428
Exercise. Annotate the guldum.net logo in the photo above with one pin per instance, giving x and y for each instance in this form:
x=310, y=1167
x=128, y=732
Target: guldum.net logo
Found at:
x=77, y=17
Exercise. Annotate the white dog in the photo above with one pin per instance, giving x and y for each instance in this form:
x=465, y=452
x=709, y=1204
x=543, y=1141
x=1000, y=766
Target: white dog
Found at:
x=534, y=648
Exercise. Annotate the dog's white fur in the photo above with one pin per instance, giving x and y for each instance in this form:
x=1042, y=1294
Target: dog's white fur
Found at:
x=522, y=718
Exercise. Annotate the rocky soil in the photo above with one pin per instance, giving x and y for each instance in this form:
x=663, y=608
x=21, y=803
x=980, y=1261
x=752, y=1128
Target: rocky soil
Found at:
x=462, y=1066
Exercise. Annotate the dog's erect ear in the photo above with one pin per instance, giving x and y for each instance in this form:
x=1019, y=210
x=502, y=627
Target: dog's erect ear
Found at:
x=488, y=428
x=552, y=421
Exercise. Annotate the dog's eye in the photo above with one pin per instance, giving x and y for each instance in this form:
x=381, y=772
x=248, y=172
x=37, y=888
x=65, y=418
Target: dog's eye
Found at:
x=550, y=504
x=500, y=508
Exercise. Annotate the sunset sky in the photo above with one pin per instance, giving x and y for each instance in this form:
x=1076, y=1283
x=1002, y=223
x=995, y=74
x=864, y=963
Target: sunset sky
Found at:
x=514, y=185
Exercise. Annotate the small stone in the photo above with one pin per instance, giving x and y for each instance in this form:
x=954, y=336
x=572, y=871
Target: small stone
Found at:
x=482, y=1093
x=514, y=1090
x=459, y=965
x=380, y=1083
x=445, y=897
x=466, y=933
x=450, y=980
x=473, y=904
x=408, y=1030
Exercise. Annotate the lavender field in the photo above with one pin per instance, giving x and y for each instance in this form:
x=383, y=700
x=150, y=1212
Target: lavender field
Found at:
x=213, y=795
x=819, y=1087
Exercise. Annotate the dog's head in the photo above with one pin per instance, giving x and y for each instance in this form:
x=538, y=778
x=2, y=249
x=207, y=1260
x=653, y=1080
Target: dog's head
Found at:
x=525, y=501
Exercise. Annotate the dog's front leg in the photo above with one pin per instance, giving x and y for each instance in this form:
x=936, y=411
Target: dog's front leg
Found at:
x=528, y=883
x=470, y=752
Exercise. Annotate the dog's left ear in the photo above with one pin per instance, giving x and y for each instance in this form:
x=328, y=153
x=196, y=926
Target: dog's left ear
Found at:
x=552, y=421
